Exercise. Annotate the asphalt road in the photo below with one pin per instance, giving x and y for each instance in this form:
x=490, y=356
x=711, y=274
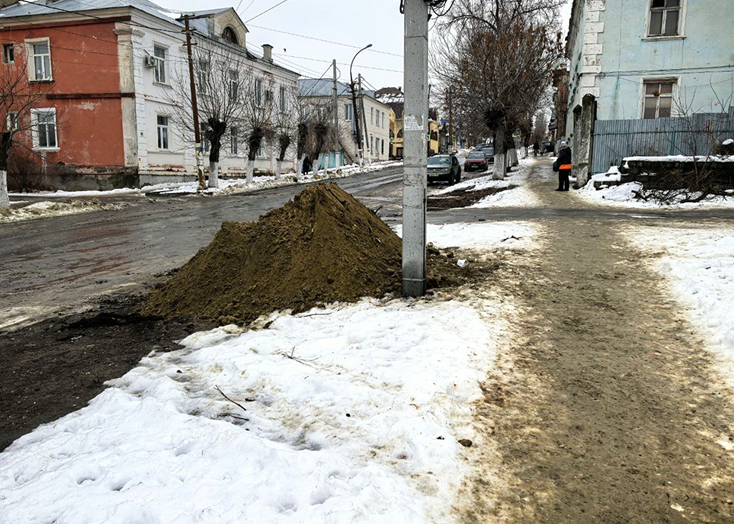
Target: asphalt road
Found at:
x=59, y=264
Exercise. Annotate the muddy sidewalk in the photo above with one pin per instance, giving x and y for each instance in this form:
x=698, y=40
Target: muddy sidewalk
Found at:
x=609, y=409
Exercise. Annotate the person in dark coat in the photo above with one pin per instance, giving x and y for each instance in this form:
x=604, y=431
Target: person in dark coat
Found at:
x=563, y=166
x=536, y=148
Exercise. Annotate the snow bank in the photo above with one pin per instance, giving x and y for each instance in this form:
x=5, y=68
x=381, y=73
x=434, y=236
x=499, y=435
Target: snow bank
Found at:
x=625, y=195
x=354, y=415
x=226, y=186
x=489, y=235
x=52, y=209
x=698, y=265
x=679, y=158
x=520, y=196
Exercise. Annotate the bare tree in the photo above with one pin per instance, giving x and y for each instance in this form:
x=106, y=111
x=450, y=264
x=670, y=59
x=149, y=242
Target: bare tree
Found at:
x=17, y=99
x=285, y=129
x=223, y=88
x=498, y=56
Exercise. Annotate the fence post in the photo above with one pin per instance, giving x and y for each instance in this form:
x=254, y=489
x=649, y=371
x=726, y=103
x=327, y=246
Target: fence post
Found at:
x=672, y=144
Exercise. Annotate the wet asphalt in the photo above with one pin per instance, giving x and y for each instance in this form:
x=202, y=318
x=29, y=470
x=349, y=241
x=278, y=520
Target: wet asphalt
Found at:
x=54, y=265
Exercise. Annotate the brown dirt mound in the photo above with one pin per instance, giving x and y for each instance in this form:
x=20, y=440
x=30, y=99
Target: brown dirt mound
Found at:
x=322, y=246
x=462, y=197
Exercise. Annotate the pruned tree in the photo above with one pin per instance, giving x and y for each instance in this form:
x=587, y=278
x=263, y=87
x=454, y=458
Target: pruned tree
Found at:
x=17, y=99
x=258, y=122
x=285, y=129
x=315, y=130
x=223, y=86
x=498, y=54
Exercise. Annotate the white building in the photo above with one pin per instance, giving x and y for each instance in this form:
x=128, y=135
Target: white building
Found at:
x=317, y=95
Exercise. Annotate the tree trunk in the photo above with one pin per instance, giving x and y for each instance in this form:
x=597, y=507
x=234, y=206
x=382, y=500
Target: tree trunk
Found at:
x=213, y=174
x=250, y=169
x=4, y=199
x=299, y=168
x=500, y=154
x=278, y=168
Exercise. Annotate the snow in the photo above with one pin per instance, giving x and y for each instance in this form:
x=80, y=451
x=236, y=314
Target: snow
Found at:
x=483, y=236
x=727, y=142
x=679, y=158
x=226, y=186
x=520, y=196
x=698, y=266
x=624, y=195
x=46, y=209
x=613, y=175
x=354, y=415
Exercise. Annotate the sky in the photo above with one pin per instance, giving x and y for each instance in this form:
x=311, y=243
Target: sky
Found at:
x=352, y=23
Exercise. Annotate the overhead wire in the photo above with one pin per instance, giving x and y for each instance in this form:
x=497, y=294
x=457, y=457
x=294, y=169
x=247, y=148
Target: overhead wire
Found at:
x=266, y=11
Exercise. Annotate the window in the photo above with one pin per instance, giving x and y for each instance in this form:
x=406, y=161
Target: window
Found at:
x=664, y=18
x=8, y=53
x=203, y=74
x=283, y=100
x=233, y=141
x=372, y=115
x=162, y=132
x=11, y=121
x=383, y=146
x=44, y=128
x=383, y=119
x=234, y=84
x=348, y=112
x=40, y=60
x=205, y=144
x=658, y=98
x=230, y=36
x=159, y=55
x=258, y=92
x=304, y=112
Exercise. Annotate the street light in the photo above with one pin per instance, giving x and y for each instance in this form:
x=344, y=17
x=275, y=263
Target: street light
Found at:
x=354, y=99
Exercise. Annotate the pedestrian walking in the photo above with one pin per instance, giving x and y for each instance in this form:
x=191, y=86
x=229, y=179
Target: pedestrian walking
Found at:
x=536, y=148
x=563, y=166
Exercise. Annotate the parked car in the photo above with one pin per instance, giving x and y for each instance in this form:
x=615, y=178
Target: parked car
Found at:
x=489, y=151
x=476, y=161
x=444, y=168
x=549, y=147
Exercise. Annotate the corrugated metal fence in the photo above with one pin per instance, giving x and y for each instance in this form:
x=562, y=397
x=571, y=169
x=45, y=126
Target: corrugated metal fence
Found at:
x=697, y=134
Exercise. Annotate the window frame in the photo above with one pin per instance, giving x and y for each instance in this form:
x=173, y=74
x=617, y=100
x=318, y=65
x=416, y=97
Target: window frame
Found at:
x=681, y=23
x=348, y=112
x=233, y=84
x=674, y=81
x=31, y=62
x=12, y=121
x=283, y=100
x=35, y=131
x=234, y=143
x=9, y=46
x=159, y=127
x=203, y=75
x=158, y=62
x=259, y=92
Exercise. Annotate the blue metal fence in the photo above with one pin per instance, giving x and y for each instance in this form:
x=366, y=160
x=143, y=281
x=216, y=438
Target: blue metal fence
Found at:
x=694, y=135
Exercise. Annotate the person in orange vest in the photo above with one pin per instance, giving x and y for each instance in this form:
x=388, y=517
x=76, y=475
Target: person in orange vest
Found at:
x=563, y=166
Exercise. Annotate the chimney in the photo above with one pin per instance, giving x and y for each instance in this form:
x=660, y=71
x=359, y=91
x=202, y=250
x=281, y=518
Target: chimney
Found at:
x=268, y=53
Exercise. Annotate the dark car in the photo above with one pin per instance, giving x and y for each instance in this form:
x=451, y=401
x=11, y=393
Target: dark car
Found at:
x=549, y=147
x=476, y=161
x=489, y=152
x=444, y=168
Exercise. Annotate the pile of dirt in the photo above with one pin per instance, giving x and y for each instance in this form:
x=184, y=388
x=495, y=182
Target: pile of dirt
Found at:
x=322, y=246
x=463, y=197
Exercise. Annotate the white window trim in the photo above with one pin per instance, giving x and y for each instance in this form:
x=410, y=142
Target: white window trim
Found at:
x=674, y=112
x=167, y=82
x=259, y=92
x=168, y=127
x=9, y=120
x=34, y=129
x=681, y=24
x=30, y=63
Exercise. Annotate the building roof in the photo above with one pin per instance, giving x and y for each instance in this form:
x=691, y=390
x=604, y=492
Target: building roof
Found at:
x=319, y=87
x=76, y=6
x=390, y=95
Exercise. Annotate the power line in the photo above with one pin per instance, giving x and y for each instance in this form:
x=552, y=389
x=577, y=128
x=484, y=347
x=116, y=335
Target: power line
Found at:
x=266, y=11
x=322, y=60
x=326, y=41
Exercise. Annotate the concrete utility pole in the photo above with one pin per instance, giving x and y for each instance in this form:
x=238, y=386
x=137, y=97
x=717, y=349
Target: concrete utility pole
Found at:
x=415, y=127
x=194, y=108
x=336, y=108
x=451, y=123
x=366, y=147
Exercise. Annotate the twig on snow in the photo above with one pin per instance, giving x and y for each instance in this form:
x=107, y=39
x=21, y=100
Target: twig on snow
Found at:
x=232, y=401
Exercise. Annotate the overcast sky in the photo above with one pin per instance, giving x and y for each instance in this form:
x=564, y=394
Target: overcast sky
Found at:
x=355, y=23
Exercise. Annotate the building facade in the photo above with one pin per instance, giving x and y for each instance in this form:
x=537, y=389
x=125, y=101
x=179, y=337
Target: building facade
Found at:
x=395, y=99
x=318, y=95
x=642, y=60
x=109, y=70
x=645, y=59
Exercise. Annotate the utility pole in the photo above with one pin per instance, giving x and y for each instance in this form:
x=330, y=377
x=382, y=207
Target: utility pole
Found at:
x=414, y=132
x=364, y=121
x=451, y=123
x=336, y=110
x=194, y=108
